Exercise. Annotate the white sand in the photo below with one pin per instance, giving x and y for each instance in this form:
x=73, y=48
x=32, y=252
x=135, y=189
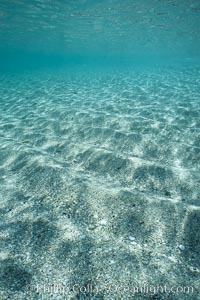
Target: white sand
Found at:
x=88, y=161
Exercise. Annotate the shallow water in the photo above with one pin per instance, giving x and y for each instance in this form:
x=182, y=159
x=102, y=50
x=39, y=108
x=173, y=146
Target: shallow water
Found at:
x=99, y=150
x=79, y=150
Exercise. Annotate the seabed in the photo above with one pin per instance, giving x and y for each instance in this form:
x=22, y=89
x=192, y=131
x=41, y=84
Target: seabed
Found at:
x=100, y=185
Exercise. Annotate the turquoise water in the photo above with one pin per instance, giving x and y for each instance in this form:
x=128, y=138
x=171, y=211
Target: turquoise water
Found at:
x=35, y=34
x=99, y=149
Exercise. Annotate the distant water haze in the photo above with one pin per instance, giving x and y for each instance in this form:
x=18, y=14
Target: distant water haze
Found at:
x=34, y=34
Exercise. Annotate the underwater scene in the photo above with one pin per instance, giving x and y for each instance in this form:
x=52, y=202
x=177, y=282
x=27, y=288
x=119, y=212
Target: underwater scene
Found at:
x=100, y=149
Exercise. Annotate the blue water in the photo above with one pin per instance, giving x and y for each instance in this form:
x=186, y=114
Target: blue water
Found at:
x=99, y=149
x=38, y=34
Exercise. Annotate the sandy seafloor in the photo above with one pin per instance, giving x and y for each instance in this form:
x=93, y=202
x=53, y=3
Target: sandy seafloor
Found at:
x=99, y=184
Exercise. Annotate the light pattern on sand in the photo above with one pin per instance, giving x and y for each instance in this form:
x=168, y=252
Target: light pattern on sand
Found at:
x=88, y=161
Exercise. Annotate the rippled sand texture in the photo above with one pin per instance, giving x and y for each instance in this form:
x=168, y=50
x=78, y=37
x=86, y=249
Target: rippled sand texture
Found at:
x=100, y=182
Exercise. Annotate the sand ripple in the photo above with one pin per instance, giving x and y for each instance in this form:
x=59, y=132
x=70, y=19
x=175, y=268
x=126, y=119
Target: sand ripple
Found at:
x=86, y=162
